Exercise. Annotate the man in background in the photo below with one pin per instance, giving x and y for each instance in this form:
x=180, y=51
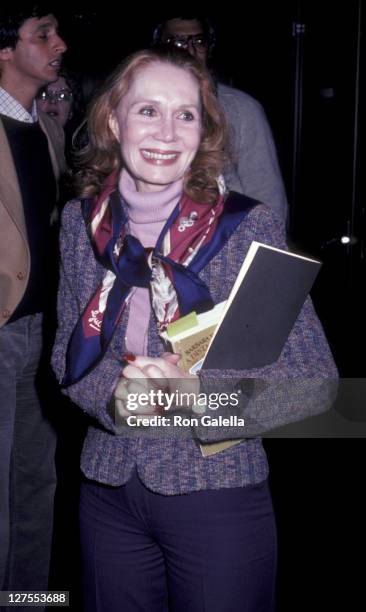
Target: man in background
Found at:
x=253, y=168
x=31, y=161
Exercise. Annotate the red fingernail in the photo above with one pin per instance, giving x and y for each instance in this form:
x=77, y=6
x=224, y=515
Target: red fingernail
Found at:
x=129, y=357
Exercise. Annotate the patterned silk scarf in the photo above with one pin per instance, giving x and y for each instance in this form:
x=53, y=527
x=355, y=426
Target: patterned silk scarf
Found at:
x=191, y=237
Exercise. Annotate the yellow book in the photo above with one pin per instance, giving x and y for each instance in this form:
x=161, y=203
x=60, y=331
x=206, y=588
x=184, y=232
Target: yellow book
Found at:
x=191, y=335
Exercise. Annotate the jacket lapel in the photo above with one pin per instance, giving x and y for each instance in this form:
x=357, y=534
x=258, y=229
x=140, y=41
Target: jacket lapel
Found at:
x=10, y=196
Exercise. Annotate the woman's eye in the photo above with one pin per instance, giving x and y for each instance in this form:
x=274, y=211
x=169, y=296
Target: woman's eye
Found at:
x=147, y=111
x=187, y=116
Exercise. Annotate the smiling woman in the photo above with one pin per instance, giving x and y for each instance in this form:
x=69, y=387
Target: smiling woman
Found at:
x=155, y=236
x=170, y=132
x=159, y=129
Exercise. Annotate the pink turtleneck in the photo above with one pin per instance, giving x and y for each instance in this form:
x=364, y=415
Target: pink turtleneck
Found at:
x=147, y=214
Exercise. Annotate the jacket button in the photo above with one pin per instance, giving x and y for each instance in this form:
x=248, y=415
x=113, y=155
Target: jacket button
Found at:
x=6, y=313
x=21, y=275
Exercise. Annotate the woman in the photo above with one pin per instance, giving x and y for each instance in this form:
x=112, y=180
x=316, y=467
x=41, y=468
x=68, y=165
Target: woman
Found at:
x=57, y=100
x=63, y=100
x=159, y=521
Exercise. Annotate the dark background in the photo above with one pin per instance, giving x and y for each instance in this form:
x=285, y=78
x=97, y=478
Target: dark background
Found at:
x=305, y=62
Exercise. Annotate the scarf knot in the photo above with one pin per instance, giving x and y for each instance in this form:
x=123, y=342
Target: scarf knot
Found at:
x=193, y=234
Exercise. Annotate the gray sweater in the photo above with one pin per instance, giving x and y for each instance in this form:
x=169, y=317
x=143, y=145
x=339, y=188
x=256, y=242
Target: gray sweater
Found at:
x=297, y=385
x=254, y=169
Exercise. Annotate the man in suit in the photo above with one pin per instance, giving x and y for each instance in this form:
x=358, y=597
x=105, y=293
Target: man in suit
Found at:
x=253, y=168
x=31, y=161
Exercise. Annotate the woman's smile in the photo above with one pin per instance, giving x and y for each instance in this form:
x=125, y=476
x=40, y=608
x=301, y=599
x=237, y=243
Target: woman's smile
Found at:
x=159, y=157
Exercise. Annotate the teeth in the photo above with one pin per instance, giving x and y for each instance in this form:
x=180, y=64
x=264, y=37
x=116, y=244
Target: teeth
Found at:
x=55, y=63
x=152, y=155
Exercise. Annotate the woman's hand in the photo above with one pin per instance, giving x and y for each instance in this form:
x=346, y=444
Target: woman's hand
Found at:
x=156, y=378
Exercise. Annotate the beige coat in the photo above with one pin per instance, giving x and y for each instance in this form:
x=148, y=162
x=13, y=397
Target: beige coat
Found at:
x=14, y=248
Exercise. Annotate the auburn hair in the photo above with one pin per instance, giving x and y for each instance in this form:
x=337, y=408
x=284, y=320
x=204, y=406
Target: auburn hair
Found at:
x=102, y=154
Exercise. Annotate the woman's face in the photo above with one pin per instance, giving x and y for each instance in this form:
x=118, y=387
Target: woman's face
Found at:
x=158, y=124
x=56, y=101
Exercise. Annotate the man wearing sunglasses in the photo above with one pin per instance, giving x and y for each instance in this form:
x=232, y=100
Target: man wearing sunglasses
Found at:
x=254, y=168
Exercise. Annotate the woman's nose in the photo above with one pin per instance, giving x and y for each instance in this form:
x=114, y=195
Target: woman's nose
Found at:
x=166, y=131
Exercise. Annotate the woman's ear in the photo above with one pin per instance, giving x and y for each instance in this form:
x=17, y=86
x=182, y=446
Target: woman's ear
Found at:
x=113, y=126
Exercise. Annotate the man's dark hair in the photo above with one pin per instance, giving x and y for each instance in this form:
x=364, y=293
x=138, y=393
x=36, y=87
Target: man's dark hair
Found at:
x=204, y=22
x=14, y=15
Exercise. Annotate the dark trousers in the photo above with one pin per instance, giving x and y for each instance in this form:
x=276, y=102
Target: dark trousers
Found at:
x=27, y=465
x=208, y=551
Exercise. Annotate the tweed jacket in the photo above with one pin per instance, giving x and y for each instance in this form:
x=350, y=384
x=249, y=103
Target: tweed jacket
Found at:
x=174, y=465
x=14, y=249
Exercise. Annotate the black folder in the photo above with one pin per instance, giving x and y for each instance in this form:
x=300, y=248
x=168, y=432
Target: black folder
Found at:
x=267, y=298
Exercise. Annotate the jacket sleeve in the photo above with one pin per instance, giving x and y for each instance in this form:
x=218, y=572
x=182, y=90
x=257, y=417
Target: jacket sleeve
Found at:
x=94, y=391
x=301, y=383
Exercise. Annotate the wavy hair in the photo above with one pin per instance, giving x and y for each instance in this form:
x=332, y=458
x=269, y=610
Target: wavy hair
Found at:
x=102, y=154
